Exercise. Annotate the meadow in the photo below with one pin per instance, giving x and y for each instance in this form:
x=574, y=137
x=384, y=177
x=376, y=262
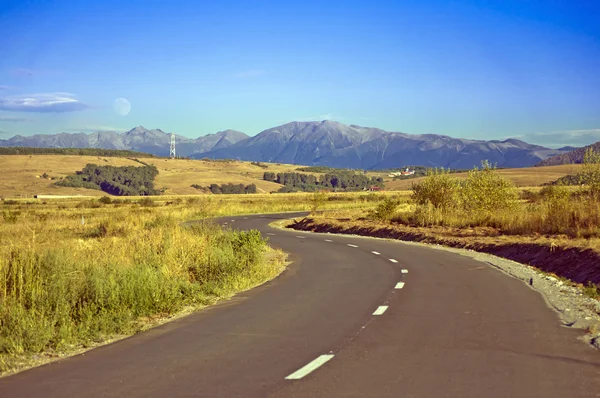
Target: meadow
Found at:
x=22, y=174
x=76, y=273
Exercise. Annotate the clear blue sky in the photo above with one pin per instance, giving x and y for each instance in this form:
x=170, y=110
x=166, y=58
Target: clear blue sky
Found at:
x=472, y=69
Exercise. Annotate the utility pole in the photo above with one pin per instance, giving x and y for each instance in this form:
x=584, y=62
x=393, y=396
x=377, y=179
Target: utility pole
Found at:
x=172, y=151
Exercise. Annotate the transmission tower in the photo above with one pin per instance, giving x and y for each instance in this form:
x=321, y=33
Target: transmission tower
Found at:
x=172, y=151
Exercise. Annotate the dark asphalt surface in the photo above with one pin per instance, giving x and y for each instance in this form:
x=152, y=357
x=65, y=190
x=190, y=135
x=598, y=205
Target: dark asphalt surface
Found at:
x=458, y=328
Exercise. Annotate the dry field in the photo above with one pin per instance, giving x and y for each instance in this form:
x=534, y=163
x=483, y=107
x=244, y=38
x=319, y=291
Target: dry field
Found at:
x=20, y=175
x=525, y=177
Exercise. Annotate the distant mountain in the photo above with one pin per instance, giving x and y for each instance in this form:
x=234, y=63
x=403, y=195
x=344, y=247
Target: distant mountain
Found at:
x=572, y=157
x=139, y=139
x=325, y=143
x=334, y=144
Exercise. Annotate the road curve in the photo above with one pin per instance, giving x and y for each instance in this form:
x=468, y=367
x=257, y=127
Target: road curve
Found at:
x=350, y=317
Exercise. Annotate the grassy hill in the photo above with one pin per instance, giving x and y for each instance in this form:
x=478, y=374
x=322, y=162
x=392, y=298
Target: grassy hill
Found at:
x=22, y=175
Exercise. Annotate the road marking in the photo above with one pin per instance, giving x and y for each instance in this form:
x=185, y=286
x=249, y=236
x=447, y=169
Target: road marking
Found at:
x=310, y=367
x=352, y=245
x=232, y=220
x=245, y=218
x=262, y=216
x=328, y=240
x=405, y=271
x=301, y=237
x=392, y=260
x=380, y=310
x=224, y=223
x=376, y=253
x=270, y=233
x=399, y=285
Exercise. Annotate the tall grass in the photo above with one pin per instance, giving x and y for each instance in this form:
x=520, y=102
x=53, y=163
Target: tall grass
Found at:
x=64, y=284
x=487, y=199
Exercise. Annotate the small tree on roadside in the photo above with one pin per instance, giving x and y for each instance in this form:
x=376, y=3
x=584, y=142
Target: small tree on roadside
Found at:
x=485, y=190
x=317, y=200
x=438, y=188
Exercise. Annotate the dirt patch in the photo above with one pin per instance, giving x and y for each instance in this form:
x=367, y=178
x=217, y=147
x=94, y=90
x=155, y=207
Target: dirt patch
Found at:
x=576, y=264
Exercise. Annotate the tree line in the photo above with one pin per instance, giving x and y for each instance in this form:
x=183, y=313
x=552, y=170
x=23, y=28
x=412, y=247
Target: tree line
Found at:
x=230, y=188
x=338, y=181
x=119, y=181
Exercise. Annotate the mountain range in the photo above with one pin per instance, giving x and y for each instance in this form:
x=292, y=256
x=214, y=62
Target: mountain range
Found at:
x=139, y=139
x=324, y=143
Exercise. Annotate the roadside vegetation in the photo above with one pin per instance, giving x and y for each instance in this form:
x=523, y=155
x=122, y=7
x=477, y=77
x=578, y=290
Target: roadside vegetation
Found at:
x=75, y=273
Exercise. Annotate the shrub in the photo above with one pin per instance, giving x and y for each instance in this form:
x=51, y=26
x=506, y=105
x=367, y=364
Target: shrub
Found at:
x=386, y=209
x=485, y=190
x=439, y=188
x=147, y=202
x=105, y=200
x=317, y=200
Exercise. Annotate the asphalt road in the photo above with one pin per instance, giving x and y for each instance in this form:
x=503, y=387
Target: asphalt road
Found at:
x=350, y=317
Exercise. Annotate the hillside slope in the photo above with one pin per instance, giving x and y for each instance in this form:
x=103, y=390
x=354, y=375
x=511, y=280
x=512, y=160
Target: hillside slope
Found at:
x=334, y=144
x=573, y=157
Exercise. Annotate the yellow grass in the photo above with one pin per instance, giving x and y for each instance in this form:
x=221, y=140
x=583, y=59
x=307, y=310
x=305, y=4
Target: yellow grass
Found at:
x=522, y=177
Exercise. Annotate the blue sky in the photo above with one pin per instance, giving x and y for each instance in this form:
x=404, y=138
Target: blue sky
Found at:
x=474, y=69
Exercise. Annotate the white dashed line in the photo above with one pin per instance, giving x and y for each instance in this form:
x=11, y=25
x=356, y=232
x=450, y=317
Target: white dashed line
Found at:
x=380, y=310
x=352, y=245
x=405, y=271
x=245, y=218
x=376, y=253
x=301, y=237
x=328, y=240
x=232, y=220
x=310, y=367
x=392, y=260
x=270, y=233
x=399, y=285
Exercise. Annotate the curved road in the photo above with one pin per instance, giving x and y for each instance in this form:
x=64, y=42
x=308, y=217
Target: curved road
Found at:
x=351, y=317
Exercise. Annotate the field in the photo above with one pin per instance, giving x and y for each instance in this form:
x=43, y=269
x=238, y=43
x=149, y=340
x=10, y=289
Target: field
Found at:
x=21, y=175
x=524, y=177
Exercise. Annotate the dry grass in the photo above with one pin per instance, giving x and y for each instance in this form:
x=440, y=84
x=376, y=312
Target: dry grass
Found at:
x=522, y=177
x=18, y=177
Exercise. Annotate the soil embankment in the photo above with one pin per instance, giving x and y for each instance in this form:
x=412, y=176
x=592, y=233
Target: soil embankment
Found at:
x=579, y=265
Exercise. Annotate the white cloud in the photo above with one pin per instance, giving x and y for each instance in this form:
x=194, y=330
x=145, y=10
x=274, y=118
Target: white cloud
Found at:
x=326, y=116
x=13, y=119
x=95, y=128
x=43, y=103
x=563, y=138
x=249, y=73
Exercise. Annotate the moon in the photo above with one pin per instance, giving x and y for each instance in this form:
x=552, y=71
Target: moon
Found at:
x=122, y=106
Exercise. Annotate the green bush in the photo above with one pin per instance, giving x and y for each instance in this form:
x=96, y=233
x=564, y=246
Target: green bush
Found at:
x=385, y=210
x=486, y=191
x=439, y=188
x=105, y=200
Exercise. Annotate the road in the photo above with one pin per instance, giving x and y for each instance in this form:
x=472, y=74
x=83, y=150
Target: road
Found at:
x=350, y=317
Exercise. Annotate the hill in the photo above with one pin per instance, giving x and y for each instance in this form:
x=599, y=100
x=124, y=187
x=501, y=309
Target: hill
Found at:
x=334, y=144
x=28, y=175
x=325, y=143
x=573, y=157
x=140, y=139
